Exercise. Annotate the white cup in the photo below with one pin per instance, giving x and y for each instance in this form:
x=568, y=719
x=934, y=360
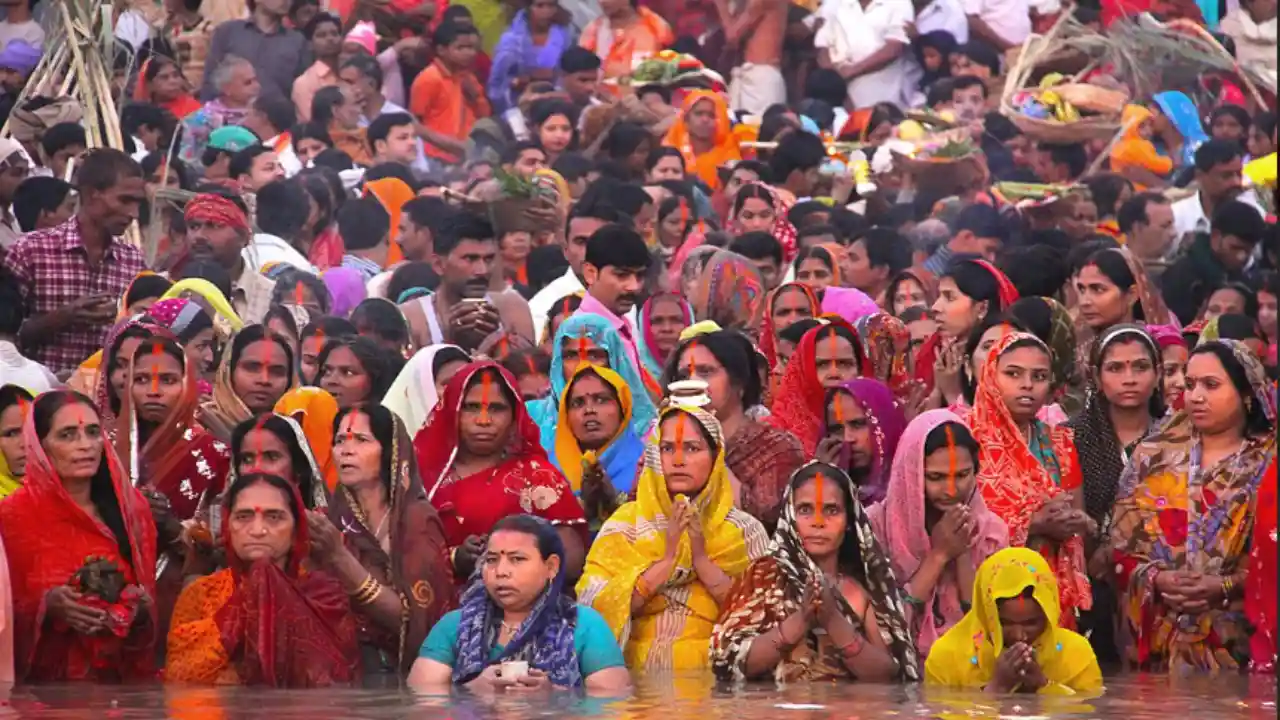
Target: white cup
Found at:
x=514, y=669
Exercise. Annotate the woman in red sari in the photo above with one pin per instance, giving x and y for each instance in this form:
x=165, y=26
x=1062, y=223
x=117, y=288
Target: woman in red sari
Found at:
x=264, y=620
x=76, y=511
x=787, y=304
x=481, y=460
x=1029, y=472
x=176, y=463
x=827, y=357
x=1260, y=588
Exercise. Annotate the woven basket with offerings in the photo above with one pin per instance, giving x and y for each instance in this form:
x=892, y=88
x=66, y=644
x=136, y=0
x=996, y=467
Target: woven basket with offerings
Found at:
x=946, y=164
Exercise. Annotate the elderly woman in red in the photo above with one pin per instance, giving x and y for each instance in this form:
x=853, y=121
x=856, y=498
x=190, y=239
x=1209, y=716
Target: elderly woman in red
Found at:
x=81, y=547
x=481, y=460
x=264, y=620
x=827, y=357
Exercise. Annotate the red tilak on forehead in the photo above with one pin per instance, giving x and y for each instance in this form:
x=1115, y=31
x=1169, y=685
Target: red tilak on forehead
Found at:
x=951, y=461
x=486, y=387
x=818, y=486
x=258, y=429
x=693, y=367
x=831, y=342
x=582, y=346
x=680, y=439
x=839, y=409
x=298, y=290
x=504, y=347
x=24, y=407
x=156, y=351
x=528, y=361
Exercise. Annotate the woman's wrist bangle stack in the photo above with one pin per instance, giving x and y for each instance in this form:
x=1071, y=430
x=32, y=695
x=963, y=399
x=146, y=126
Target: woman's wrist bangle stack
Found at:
x=854, y=647
x=643, y=589
x=367, y=592
x=1227, y=586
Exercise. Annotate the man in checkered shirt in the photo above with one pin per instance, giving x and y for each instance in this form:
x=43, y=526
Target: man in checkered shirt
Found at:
x=71, y=277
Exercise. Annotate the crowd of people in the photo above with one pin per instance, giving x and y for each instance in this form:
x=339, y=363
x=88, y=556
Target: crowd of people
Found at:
x=474, y=354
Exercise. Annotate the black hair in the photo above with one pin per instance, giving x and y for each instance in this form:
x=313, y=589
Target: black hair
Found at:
x=796, y=152
x=364, y=224
x=1073, y=155
x=661, y=91
x=662, y=151
x=1247, y=293
x=775, y=122
x=886, y=248
x=1155, y=406
x=947, y=433
x=449, y=32
x=381, y=319
x=11, y=395
x=1256, y=421
x=210, y=270
x=752, y=191
x=328, y=326
x=278, y=110
x=520, y=362
x=102, y=492
x=146, y=286
x=803, y=210
x=577, y=59
x=375, y=360
x=618, y=246
x=458, y=227
x=672, y=205
x=368, y=66
x=544, y=109
x=109, y=359
x=303, y=476
x=757, y=246
x=1035, y=270
x=826, y=85
x=382, y=125
x=1111, y=263
x=38, y=195
x=983, y=221
x=1234, y=326
x=1106, y=189
x=446, y=355
x=964, y=82
x=102, y=168
x=138, y=115
x=981, y=53
x=178, y=169
x=796, y=331
x=63, y=136
x=391, y=169
x=892, y=288
x=310, y=130
x=815, y=251
x=1134, y=210
x=624, y=138
x=289, y=205
x=242, y=161
x=941, y=92
x=289, y=279
x=325, y=100
x=411, y=275
x=251, y=334
x=760, y=169
x=382, y=423
x=546, y=537
x=1213, y=153
x=563, y=307
x=428, y=212
x=281, y=313
x=733, y=351
x=572, y=166
x=320, y=18
x=977, y=283
x=915, y=313
x=1240, y=220
x=158, y=344
x=511, y=153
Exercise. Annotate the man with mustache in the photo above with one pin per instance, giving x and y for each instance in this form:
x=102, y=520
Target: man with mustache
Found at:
x=614, y=270
x=463, y=311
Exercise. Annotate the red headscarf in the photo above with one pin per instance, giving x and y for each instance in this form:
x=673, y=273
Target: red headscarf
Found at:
x=928, y=355
x=1014, y=482
x=799, y=405
x=1260, y=585
x=768, y=338
x=48, y=538
x=216, y=210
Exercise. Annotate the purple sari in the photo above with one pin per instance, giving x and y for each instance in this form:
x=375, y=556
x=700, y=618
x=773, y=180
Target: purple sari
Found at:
x=887, y=425
x=516, y=55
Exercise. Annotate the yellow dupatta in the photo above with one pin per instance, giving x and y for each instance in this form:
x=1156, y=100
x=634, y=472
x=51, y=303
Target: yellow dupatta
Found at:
x=314, y=410
x=569, y=455
x=965, y=656
x=9, y=483
x=204, y=293
x=673, y=629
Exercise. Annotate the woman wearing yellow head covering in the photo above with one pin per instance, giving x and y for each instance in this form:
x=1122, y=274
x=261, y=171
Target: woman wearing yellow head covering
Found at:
x=703, y=133
x=393, y=193
x=1010, y=640
x=596, y=448
x=662, y=565
x=15, y=402
x=143, y=291
x=314, y=410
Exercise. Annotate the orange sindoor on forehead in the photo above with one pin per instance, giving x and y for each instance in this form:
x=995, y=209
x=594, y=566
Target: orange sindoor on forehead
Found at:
x=680, y=439
x=582, y=347
x=299, y=291
x=693, y=366
x=528, y=362
x=951, y=461
x=24, y=407
x=831, y=342
x=486, y=387
x=819, y=489
x=258, y=429
x=684, y=214
x=838, y=409
x=504, y=347
x=156, y=351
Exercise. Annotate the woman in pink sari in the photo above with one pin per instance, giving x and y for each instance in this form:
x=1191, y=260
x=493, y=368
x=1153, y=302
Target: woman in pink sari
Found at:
x=934, y=524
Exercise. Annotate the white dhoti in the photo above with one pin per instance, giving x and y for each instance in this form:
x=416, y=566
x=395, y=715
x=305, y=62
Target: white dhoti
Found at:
x=753, y=88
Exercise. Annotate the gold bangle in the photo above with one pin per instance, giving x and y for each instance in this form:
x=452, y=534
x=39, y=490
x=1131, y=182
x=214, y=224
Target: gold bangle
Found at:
x=373, y=595
x=643, y=588
x=367, y=591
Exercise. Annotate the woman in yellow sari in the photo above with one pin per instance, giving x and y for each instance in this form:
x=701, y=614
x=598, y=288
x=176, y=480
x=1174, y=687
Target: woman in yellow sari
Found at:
x=1010, y=640
x=662, y=566
x=314, y=410
x=704, y=135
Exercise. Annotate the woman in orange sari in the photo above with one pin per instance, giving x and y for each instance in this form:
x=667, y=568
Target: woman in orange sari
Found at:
x=81, y=547
x=314, y=410
x=161, y=83
x=1029, y=472
x=393, y=193
x=704, y=135
x=264, y=620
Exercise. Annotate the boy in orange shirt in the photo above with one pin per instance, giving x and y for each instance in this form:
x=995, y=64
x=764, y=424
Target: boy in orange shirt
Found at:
x=447, y=97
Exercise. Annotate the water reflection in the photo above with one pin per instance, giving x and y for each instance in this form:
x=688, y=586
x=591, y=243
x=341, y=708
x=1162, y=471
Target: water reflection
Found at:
x=1144, y=697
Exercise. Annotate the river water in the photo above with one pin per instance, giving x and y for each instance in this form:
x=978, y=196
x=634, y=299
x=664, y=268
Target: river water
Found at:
x=1130, y=697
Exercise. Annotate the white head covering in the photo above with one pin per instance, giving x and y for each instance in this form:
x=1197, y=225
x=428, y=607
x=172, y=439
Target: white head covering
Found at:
x=413, y=394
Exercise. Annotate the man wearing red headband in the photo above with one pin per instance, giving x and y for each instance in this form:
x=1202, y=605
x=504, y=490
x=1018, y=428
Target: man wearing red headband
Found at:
x=218, y=230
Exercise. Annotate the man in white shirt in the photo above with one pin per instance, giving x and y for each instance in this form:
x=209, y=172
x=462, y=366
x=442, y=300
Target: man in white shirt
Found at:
x=868, y=47
x=945, y=15
x=582, y=223
x=19, y=25
x=1002, y=24
x=1219, y=178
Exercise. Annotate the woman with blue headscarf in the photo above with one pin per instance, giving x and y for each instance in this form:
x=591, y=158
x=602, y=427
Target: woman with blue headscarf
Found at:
x=516, y=628
x=1179, y=128
x=592, y=339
